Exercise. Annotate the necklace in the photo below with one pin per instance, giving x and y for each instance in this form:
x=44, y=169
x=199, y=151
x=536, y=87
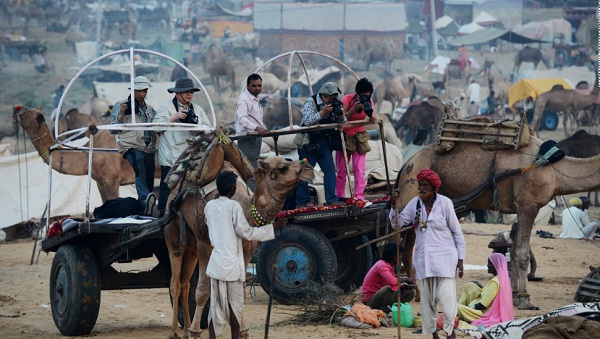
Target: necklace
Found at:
x=258, y=219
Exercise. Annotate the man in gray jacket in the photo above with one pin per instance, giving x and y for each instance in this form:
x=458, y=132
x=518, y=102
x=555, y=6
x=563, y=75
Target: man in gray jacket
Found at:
x=177, y=110
x=138, y=147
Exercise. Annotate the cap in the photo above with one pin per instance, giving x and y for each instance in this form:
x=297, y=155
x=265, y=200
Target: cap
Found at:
x=330, y=88
x=141, y=82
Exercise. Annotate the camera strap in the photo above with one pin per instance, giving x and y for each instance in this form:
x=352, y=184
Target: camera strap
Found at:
x=190, y=111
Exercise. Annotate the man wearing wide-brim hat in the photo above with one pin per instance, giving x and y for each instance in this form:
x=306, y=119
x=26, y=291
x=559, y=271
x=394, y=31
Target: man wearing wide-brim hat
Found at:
x=138, y=147
x=177, y=110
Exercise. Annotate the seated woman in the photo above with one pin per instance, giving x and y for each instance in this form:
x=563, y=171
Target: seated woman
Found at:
x=491, y=304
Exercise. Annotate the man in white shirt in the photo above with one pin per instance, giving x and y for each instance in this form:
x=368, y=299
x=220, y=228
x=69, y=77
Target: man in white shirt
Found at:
x=474, y=92
x=249, y=119
x=576, y=224
x=227, y=226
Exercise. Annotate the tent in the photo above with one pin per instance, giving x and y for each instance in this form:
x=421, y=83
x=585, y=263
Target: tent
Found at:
x=440, y=63
x=25, y=190
x=485, y=19
x=174, y=49
x=545, y=29
x=489, y=34
x=443, y=22
x=446, y=26
x=572, y=75
x=469, y=28
x=532, y=88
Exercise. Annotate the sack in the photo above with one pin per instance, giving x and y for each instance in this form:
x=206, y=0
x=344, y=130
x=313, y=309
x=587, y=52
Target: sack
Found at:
x=362, y=142
x=350, y=144
x=406, y=314
x=117, y=208
x=301, y=139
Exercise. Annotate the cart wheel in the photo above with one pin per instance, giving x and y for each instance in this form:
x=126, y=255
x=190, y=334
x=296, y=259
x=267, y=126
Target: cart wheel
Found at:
x=352, y=265
x=74, y=290
x=192, y=304
x=549, y=121
x=300, y=255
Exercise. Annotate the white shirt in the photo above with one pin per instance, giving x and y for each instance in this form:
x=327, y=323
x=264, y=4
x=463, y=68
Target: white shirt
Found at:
x=573, y=220
x=438, y=249
x=474, y=93
x=227, y=226
x=248, y=113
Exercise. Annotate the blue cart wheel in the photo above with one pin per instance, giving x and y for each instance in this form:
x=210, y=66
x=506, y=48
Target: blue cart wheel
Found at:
x=296, y=257
x=549, y=121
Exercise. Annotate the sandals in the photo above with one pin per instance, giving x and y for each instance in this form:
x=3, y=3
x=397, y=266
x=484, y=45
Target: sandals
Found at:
x=544, y=234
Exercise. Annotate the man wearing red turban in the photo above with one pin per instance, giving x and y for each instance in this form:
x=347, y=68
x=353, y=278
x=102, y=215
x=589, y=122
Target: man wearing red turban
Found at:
x=439, y=250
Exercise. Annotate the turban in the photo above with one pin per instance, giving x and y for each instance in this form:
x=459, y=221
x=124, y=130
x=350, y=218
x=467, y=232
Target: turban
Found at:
x=575, y=202
x=431, y=176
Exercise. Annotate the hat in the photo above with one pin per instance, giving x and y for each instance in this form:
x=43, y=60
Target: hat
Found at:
x=141, y=82
x=330, y=88
x=183, y=85
x=575, y=202
x=431, y=176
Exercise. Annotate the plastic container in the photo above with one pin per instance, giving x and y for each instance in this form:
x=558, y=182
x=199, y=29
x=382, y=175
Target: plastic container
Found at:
x=406, y=315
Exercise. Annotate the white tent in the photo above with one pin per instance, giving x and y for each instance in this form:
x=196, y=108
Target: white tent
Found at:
x=440, y=63
x=469, y=28
x=25, y=190
x=546, y=30
x=485, y=19
x=443, y=22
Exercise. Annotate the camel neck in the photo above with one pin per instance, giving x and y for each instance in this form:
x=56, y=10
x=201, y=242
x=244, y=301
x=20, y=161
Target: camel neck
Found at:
x=264, y=202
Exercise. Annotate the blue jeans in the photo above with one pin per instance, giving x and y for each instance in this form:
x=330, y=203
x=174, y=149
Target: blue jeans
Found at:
x=143, y=166
x=164, y=191
x=324, y=158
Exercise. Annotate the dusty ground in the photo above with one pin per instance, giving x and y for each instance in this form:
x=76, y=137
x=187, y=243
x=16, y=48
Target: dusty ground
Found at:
x=25, y=312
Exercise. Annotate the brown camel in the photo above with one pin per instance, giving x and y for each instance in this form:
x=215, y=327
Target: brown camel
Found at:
x=425, y=115
x=403, y=78
x=276, y=178
x=420, y=89
x=466, y=167
x=276, y=114
x=218, y=68
x=559, y=99
x=99, y=108
x=74, y=119
x=371, y=53
x=453, y=71
x=389, y=90
x=529, y=54
x=110, y=170
x=582, y=145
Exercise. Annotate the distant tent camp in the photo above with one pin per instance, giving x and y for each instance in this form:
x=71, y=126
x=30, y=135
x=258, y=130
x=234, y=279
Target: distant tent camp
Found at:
x=446, y=26
x=488, y=34
x=485, y=19
x=469, y=28
x=414, y=27
x=174, y=49
x=546, y=29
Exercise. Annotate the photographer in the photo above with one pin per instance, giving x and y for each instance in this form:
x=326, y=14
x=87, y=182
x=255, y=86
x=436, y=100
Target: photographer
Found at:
x=357, y=107
x=138, y=147
x=177, y=110
x=321, y=108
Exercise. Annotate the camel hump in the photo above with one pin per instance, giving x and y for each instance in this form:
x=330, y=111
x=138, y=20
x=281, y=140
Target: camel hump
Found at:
x=557, y=87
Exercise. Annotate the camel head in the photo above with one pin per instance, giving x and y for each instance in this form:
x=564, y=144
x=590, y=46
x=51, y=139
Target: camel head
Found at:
x=31, y=119
x=276, y=178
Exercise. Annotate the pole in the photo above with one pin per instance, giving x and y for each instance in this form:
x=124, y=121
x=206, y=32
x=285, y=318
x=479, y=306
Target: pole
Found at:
x=433, y=31
x=270, y=305
x=395, y=207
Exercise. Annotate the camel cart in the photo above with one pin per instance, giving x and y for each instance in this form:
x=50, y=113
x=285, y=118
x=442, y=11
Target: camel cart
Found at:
x=85, y=250
x=320, y=243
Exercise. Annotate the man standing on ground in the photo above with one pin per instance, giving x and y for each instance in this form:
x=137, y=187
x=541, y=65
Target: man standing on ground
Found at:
x=474, y=92
x=138, y=147
x=249, y=119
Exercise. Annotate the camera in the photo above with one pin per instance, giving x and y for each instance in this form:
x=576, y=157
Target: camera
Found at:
x=365, y=100
x=337, y=107
x=190, y=118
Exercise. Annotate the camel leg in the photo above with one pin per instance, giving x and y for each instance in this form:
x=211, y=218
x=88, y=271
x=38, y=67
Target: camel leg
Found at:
x=176, y=260
x=408, y=241
x=108, y=190
x=202, y=290
x=520, y=256
x=189, y=265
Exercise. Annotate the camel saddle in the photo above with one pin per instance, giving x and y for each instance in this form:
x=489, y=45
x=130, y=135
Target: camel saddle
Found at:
x=201, y=161
x=492, y=135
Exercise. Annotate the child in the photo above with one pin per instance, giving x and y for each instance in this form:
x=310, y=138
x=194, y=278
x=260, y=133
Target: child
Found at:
x=227, y=226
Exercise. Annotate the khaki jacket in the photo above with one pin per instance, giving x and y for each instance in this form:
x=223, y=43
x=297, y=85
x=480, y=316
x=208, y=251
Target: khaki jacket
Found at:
x=133, y=139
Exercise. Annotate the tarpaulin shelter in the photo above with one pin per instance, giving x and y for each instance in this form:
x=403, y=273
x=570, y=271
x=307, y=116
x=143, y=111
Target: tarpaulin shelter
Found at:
x=174, y=49
x=489, y=34
x=485, y=19
x=548, y=29
x=532, y=88
x=469, y=28
x=446, y=26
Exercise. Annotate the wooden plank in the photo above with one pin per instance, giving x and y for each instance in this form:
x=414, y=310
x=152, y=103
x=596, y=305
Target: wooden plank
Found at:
x=479, y=132
x=477, y=123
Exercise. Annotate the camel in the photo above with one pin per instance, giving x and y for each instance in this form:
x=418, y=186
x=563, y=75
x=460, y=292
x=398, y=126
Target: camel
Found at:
x=453, y=71
x=418, y=89
x=529, y=54
x=110, y=170
x=276, y=114
x=272, y=85
x=99, y=108
x=404, y=78
x=389, y=90
x=218, y=68
x=466, y=167
x=559, y=99
x=425, y=115
x=74, y=119
x=582, y=145
x=371, y=54
x=276, y=178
